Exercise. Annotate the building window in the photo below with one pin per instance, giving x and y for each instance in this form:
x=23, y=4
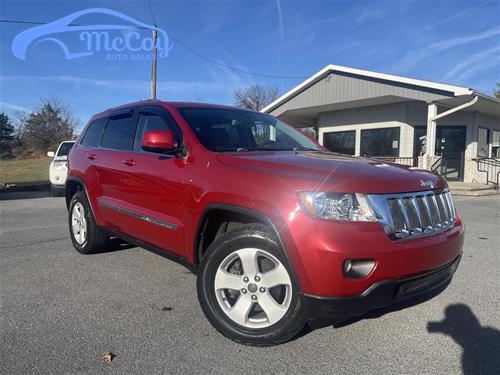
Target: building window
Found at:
x=380, y=142
x=482, y=143
x=341, y=142
x=495, y=144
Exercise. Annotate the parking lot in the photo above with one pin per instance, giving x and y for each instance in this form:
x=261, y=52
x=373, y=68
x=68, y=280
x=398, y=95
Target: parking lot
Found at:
x=60, y=311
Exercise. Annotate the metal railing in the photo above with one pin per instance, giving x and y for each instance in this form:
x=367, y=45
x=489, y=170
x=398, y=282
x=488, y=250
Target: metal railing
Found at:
x=404, y=160
x=438, y=166
x=490, y=166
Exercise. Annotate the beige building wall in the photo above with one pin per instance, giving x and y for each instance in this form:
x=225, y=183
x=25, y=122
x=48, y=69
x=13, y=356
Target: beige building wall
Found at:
x=383, y=116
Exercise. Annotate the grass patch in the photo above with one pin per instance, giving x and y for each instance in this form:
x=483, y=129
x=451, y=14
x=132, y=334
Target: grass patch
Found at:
x=25, y=170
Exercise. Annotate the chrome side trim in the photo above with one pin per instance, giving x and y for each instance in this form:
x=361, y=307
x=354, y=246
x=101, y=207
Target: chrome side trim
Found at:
x=139, y=216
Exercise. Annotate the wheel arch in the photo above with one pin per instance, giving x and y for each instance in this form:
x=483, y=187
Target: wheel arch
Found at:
x=73, y=185
x=255, y=216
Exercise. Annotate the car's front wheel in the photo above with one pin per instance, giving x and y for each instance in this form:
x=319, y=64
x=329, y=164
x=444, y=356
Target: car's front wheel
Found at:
x=247, y=290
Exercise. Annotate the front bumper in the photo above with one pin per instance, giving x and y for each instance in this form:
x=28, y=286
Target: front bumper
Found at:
x=318, y=249
x=380, y=294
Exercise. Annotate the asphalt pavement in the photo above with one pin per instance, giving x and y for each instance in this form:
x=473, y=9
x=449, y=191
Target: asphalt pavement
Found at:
x=60, y=311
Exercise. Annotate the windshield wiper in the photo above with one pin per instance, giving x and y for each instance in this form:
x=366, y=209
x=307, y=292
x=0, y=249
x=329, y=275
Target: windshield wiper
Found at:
x=301, y=148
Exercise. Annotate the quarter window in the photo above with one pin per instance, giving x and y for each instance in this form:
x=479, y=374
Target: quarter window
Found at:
x=93, y=135
x=380, y=142
x=119, y=134
x=341, y=142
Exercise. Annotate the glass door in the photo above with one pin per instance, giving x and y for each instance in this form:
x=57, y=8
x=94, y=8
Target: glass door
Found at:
x=450, y=144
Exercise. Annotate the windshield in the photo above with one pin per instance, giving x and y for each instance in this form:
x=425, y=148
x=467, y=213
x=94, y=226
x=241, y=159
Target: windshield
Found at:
x=220, y=129
x=65, y=148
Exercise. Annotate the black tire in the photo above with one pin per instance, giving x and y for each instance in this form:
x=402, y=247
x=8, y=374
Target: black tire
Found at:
x=95, y=239
x=248, y=236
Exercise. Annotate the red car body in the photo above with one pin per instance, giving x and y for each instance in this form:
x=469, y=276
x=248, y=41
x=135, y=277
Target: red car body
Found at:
x=181, y=191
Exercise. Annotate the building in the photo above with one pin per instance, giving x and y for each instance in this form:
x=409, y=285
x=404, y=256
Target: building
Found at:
x=449, y=129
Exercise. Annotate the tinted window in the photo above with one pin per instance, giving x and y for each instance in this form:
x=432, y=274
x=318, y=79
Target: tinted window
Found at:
x=65, y=148
x=380, y=142
x=342, y=142
x=482, y=142
x=148, y=122
x=119, y=134
x=93, y=135
x=220, y=129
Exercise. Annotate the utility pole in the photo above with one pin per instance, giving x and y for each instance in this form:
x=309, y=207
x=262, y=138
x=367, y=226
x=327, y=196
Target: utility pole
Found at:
x=153, y=66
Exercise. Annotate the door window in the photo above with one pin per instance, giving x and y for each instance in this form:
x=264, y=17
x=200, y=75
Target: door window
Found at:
x=119, y=134
x=93, y=135
x=149, y=122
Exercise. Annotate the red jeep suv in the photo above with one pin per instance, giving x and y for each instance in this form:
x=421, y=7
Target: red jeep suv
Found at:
x=280, y=231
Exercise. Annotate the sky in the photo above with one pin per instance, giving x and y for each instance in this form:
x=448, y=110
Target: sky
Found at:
x=282, y=42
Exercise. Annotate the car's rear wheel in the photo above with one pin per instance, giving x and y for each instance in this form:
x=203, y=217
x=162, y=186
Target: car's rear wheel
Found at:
x=86, y=236
x=247, y=290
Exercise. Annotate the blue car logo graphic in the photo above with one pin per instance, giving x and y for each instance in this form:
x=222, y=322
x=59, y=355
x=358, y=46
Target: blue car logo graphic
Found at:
x=96, y=37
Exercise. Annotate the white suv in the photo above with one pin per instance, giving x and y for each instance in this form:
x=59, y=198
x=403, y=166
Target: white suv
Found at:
x=58, y=170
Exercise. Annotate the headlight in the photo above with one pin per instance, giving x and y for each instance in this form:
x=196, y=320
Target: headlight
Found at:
x=60, y=165
x=336, y=206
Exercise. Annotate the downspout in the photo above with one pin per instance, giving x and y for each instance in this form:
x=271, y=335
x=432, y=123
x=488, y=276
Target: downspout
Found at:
x=431, y=124
x=453, y=110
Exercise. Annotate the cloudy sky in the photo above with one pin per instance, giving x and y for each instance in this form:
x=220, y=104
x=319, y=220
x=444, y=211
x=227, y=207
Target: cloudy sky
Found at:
x=215, y=45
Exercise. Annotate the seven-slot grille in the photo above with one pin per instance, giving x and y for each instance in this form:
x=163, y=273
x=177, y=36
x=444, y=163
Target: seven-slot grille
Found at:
x=414, y=214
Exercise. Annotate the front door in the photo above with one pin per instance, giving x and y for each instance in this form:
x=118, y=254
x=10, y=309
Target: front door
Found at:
x=450, y=144
x=157, y=187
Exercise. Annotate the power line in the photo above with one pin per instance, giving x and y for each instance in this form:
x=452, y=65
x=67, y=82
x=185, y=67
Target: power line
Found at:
x=184, y=45
x=152, y=13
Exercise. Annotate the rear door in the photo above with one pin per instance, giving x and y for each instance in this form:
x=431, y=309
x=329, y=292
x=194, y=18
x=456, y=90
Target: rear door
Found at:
x=156, y=187
x=113, y=163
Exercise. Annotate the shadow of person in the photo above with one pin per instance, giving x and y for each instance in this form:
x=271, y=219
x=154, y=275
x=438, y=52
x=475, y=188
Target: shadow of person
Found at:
x=481, y=345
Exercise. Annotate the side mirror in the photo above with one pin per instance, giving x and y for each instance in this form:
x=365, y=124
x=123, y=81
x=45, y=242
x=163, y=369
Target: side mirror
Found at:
x=51, y=154
x=162, y=141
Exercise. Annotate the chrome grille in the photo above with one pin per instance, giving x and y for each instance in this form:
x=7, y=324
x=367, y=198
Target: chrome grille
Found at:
x=413, y=214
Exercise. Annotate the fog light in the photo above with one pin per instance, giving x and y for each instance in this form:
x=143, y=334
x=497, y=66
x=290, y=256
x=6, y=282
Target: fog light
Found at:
x=358, y=268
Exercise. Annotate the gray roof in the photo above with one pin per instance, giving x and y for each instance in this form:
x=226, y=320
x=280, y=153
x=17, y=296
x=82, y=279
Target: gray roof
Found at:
x=337, y=87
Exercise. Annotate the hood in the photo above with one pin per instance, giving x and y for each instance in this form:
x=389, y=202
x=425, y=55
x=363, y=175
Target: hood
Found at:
x=325, y=171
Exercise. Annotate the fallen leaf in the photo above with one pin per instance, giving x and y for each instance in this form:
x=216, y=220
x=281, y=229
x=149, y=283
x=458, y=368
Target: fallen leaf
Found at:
x=108, y=357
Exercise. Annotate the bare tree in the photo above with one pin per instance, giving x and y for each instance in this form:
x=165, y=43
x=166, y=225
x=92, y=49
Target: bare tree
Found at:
x=255, y=97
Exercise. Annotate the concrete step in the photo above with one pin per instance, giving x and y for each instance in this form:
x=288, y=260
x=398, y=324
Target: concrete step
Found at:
x=464, y=186
x=475, y=193
x=472, y=189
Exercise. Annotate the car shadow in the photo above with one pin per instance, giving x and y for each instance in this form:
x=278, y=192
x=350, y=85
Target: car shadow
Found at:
x=116, y=244
x=481, y=345
x=377, y=313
